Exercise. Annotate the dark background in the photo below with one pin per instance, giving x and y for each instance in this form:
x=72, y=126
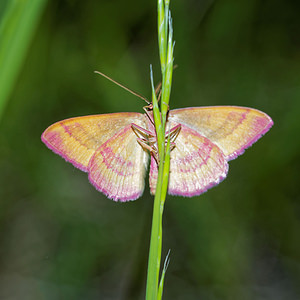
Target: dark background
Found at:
x=61, y=239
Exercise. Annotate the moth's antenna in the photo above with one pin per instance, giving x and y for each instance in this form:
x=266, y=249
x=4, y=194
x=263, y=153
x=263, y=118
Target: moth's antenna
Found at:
x=124, y=87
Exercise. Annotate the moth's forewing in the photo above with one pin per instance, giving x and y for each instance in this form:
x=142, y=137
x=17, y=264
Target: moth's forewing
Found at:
x=79, y=139
x=232, y=128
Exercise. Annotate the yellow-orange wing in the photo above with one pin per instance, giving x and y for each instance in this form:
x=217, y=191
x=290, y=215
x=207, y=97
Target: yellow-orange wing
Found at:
x=106, y=147
x=231, y=128
x=209, y=137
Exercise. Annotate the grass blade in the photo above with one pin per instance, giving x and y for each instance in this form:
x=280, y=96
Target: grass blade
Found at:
x=17, y=27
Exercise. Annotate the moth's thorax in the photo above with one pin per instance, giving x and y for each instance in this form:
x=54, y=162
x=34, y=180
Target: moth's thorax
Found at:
x=147, y=138
x=150, y=123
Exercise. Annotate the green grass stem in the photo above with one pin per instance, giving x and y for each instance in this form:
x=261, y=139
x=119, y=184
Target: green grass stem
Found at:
x=17, y=27
x=165, y=34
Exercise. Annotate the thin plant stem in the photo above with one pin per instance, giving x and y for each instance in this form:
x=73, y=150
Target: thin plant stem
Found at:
x=154, y=289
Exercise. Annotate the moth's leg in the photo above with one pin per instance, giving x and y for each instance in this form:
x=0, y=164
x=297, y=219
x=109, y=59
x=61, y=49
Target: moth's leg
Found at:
x=141, y=132
x=145, y=138
x=155, y=156
x=158, y=90
x=143, y=143
x=147, y=109
x=146, y=145
x=158, y=87
x=172, y=146
x=152, y=149
x=173, y=133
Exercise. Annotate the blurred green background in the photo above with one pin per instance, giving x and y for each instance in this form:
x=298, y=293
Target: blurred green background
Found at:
x=60, y=238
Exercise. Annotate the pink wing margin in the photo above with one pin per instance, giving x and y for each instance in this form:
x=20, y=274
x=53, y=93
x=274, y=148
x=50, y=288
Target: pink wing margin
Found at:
x=232, y=128
x=104, y=146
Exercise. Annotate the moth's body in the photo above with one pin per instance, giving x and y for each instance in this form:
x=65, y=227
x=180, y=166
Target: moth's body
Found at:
x=114, y=148
x=147, y=138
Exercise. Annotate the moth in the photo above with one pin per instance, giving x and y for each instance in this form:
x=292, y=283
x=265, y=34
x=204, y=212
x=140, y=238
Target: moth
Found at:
x=114, y=148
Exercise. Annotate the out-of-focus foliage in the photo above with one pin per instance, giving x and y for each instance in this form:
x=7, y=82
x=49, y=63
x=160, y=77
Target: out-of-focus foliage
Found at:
x=18, y=23
x=61, y=239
